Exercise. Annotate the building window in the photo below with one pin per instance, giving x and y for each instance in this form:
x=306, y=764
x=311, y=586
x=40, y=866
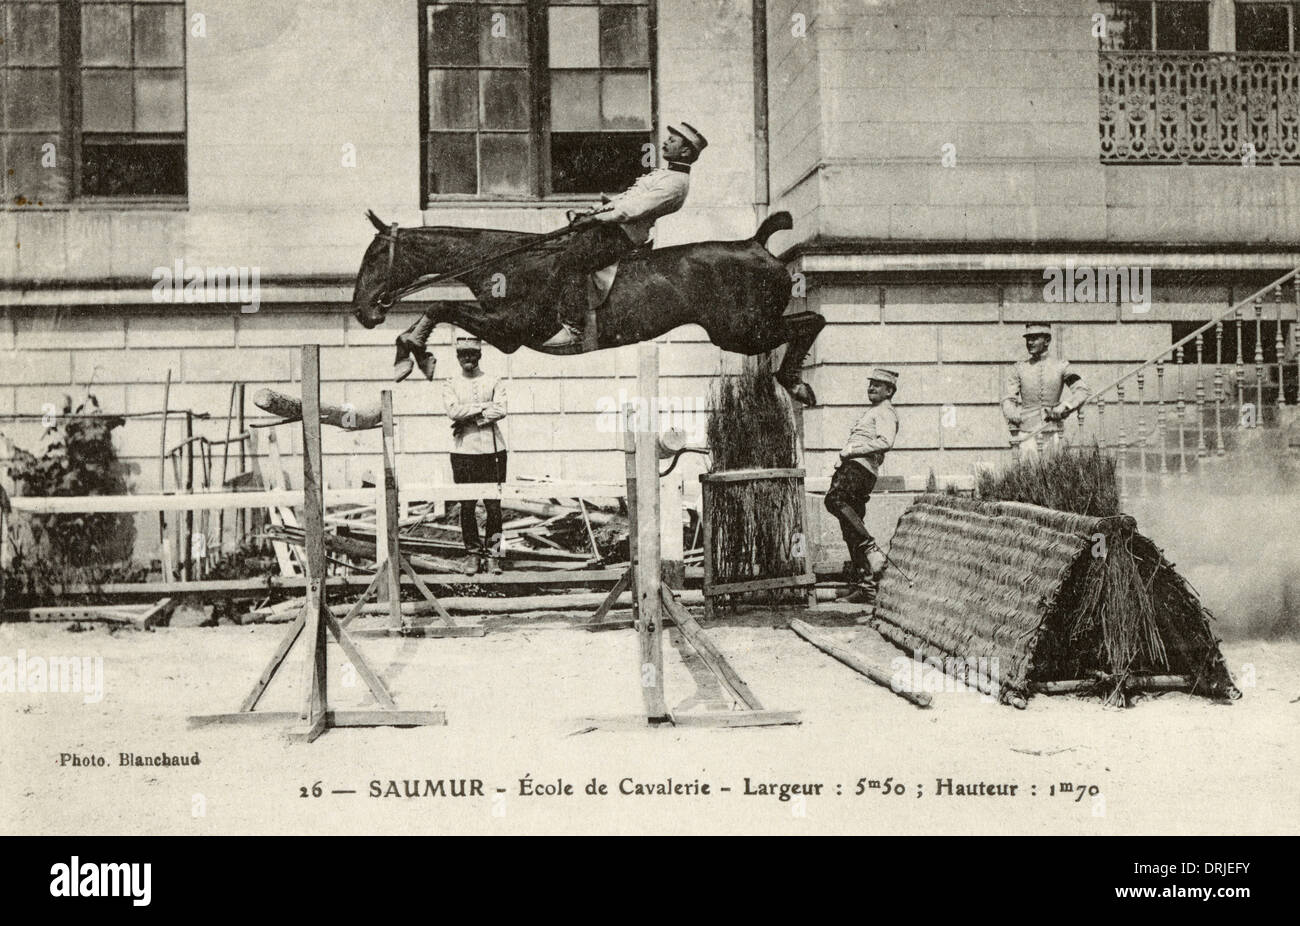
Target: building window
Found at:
x=1165, y=98
x=534, y=99
x=1157, y=25
x=1267, y=27
x=94, y=100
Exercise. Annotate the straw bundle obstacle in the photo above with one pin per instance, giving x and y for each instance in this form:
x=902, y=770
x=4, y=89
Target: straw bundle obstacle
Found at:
x=1081, y=481
x=1015, y=598
x=752, y=524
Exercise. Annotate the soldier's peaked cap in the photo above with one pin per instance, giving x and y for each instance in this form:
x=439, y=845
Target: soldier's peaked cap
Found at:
x=881, y=375
x=691, y=134
x=1033, y=329
x=469, y=343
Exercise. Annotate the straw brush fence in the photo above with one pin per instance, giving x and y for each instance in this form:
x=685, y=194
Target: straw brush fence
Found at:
x=753, y=495
x=1017, y=598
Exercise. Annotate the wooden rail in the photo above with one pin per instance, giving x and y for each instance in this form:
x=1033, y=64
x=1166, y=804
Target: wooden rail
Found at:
x=205, y=501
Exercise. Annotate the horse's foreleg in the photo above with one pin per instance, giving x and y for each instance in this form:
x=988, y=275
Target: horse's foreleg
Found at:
x=801, y=330
x=412, y=349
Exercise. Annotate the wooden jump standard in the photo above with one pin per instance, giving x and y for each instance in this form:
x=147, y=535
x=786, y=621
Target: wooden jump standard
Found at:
x=654, y=603
x=390, y=563
x=316, y=621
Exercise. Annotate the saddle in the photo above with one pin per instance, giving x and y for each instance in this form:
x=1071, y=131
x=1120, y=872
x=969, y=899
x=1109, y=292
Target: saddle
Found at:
x=600, y=282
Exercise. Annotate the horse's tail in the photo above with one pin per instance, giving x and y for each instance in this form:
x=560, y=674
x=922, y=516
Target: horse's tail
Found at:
x=777, y=221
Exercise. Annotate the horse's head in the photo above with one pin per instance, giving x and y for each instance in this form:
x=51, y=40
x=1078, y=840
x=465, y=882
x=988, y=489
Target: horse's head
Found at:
x=376, y=280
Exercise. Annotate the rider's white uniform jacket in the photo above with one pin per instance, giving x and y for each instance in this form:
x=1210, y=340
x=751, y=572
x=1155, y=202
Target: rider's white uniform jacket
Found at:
x=660, y=192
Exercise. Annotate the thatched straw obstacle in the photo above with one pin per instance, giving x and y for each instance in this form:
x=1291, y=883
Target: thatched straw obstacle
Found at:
x=1017, y=598
x=751, y=523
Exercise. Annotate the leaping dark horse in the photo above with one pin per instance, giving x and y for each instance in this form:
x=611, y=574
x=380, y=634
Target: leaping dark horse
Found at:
x=736, y=290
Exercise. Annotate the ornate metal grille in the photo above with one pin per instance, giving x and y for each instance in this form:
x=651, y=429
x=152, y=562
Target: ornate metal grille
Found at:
x=1199, y=107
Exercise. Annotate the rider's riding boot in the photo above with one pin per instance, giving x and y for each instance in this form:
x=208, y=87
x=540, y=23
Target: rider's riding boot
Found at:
x=571, y=306
x=494, y=565
x=864, y=593
x=853, y=581
x=567, y=336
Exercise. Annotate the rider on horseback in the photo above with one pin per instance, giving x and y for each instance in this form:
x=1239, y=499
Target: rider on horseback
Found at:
x=620, y=226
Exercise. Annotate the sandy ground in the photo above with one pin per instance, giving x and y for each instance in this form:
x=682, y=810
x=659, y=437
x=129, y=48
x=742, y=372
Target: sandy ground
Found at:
x=519, y=703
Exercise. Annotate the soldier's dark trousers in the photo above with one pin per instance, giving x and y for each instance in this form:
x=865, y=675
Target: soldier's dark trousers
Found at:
x=479, y=467
x=588, y=251
x=851, y=487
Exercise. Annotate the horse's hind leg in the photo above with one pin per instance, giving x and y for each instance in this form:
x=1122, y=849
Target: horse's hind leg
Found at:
x=801, y=329
x=411, y=349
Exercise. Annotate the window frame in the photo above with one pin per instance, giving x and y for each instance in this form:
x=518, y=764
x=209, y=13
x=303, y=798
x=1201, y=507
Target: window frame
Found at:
x=71, y=134
x=1155, y=27
x=1292, y=22
x=539, y=129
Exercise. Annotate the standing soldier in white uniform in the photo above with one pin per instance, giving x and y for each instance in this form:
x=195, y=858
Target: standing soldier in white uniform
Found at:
x=475, y=403
x=620, y=226
x=855, y=477
x=1037, y=392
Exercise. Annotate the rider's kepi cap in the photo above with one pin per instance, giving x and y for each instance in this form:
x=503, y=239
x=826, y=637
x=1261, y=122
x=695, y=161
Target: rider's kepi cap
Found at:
x=881, y=375
x=1033, y=329
x=691, y=134
x=469, y=342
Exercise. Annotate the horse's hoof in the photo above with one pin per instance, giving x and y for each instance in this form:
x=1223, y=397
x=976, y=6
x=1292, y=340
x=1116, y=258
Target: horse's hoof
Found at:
x=402, y=369
x=428, y=366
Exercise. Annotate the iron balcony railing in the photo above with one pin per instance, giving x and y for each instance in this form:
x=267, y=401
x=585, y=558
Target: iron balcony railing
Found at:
x=1199, y=107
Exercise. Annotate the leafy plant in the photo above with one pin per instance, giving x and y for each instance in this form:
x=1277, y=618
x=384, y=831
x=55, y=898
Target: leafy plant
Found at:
x=76, y=457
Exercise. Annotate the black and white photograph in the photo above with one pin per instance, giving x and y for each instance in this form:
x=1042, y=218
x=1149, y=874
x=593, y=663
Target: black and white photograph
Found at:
x=651, y=417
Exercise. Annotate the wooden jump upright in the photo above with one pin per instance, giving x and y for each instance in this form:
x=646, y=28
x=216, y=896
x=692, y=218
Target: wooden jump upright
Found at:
x=390, y=563
x=654, y=603
x=315, y=621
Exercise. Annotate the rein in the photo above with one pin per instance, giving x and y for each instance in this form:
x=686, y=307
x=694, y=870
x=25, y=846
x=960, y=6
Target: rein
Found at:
x=386, y=298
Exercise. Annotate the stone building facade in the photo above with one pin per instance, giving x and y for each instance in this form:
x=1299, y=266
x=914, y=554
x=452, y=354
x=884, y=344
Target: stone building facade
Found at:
x=938, y=158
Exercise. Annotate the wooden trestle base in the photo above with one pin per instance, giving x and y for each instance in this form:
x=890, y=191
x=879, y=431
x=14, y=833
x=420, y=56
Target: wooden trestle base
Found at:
x=315, y=623
x=655, y=607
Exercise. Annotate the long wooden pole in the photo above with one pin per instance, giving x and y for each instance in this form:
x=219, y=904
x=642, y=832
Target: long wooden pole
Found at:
x=241, y=525
x=163, y=540
x=4, y=542
x=189, y=490
x=316, y=698
x=643, y=496
x=390, y=516
x=514, y=492
x=856, y=663
x=225, y=467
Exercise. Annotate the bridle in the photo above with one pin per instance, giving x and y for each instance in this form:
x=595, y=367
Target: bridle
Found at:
x=387, y=297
